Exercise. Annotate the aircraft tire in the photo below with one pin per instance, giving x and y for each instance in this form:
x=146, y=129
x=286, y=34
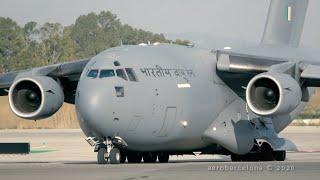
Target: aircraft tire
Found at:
x=236, y=158
x=123, y=157
x=149, y=157
x=101, y=156
x=134, y=157
x=267, y=154
x=279, y=155
x=115, y=156
x=163, y=157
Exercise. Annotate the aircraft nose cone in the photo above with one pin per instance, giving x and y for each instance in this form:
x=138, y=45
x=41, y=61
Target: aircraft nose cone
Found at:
x=94, y=104
x=90, y=104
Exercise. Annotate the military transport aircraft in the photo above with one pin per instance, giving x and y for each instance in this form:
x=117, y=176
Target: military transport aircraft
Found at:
x=151, y=101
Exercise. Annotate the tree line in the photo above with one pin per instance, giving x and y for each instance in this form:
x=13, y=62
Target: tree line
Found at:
x=37, y=45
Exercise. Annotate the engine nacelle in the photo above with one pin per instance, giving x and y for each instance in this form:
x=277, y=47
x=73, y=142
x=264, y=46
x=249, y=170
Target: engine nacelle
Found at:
x=35, y=97
x=271, y=94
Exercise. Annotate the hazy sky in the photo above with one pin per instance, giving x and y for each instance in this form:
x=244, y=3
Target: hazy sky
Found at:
x=240, y=19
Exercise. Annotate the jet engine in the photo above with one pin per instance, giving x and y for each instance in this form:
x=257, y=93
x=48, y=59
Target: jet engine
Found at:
x=271, y=94
x=35, y=97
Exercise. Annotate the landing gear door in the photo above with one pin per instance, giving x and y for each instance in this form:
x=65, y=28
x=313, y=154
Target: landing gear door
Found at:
x=168, y=121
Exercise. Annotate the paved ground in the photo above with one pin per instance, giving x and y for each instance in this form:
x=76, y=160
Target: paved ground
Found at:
x=63, y=154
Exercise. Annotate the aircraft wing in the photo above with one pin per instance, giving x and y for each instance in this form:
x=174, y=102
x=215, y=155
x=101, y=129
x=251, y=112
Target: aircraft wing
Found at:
x=311, y=75
x=237, y=62
x=68, y=74
x=237, y=69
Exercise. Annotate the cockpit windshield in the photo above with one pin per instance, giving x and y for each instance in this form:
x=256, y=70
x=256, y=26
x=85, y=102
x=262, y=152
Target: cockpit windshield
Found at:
x=106, y=73
x=132, y=76
x=121, y=74
x=93, y=73
x=126, y=74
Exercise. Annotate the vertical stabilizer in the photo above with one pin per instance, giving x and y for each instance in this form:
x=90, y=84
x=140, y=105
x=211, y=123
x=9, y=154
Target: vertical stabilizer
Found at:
x=285, y=22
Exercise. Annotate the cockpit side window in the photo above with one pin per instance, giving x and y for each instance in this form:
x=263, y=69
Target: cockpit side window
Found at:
x=93, y=73
x=131, y=74
x=106, y=73
x=121, y=74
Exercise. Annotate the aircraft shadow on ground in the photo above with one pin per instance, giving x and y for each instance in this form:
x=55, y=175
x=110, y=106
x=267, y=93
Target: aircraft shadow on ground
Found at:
x=170, y=162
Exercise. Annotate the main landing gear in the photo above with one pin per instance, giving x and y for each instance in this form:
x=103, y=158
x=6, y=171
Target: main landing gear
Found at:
x=265, y=153
x=113, y=151
x=116, y=156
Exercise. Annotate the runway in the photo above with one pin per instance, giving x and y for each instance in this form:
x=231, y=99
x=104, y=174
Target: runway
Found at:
x=63, y=154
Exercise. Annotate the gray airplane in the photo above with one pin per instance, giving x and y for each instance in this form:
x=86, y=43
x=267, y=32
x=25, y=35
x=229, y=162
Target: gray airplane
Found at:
x=151, y=101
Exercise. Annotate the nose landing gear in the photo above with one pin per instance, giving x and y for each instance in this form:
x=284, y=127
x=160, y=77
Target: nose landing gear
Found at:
x=108, y=151
x=115, y=156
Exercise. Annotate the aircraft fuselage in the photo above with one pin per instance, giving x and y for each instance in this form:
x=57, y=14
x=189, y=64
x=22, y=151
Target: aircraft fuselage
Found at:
x=156, y=98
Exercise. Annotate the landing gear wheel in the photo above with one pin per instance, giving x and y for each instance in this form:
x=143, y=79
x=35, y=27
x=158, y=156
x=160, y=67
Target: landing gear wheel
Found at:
x=123, y=157
x=149, y=157
x=236, y=158
x=102, y=156
x=163, y=157
x=279, y=155
x=267, y=153
x=115, y=156
x=134, y=157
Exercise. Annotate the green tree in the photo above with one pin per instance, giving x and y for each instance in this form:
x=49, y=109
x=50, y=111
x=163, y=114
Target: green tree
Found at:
x=30, y=31
x=68, y=45
x=34, y=45
x=51, y=35
x=111, y=27
x=11, y=43
x=88, y=36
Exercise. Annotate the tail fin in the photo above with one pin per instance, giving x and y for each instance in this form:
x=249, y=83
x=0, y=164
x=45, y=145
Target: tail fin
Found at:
x=285, y=22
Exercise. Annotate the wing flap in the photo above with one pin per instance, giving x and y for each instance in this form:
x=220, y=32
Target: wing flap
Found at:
x=311, y=75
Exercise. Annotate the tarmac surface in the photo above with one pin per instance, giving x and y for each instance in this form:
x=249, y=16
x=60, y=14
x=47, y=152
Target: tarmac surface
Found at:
x=64, y=154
